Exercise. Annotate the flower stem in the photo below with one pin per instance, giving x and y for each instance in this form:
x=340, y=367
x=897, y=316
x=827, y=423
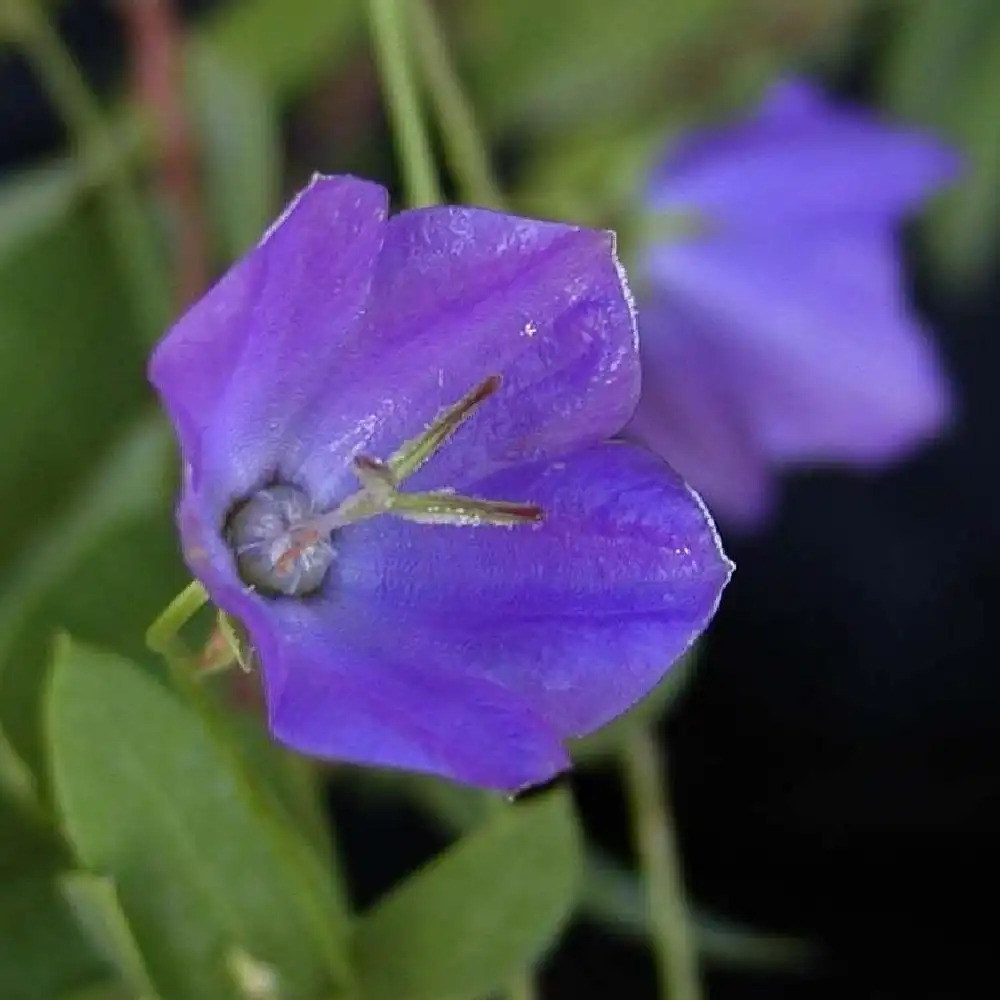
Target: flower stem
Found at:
x=388, y=29
x=163, y=636
x=671, y=934
x=32, y=32
x=463, y=141
x=154, y=32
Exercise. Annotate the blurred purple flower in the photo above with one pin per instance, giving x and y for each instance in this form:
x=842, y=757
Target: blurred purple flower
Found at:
x=455, y=349
x=777, y=331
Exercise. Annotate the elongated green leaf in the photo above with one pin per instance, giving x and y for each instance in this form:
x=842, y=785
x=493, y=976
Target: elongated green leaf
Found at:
x=477, y=915
x=202, y=868
x=71, y=372
x=42, y=951
x=27, y=842
x=100, y=991
x=97, y=909
x=102, y=568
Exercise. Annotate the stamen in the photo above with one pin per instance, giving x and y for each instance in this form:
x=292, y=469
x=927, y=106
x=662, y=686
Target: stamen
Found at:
x=375, y=476
x=439, y=507
x=283, y=546
x=413, y=453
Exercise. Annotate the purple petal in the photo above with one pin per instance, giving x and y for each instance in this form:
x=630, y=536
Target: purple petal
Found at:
x=801, y=157
x=471, y=653
x=354, y=691
x=237, y=368
x=579, y=615
x=689, y=412
x=813, y=340
x=343, y=681
x=461, y=294
x=322, y=343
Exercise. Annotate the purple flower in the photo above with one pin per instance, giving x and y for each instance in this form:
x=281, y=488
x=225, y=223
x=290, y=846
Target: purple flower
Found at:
x=776, y=331
x=529, y=581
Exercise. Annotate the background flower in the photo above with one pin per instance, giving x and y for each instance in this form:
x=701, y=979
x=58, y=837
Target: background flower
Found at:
x=777, y=331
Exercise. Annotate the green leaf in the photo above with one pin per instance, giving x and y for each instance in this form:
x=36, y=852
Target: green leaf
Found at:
x=27, y=842
x=71, y=371
x=103, y=571
x=203, y=867
x=297, y=789
x=102, y=568
x=42, y=951
x=98, y=911
x=477, y=915
x=100, y=991
x=241, y=142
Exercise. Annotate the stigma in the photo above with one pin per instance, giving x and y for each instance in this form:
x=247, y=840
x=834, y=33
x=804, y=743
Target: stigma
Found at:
x=276, y=547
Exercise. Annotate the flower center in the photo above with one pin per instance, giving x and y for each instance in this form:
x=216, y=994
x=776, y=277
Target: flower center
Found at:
x=284, y=545
x=276, y=551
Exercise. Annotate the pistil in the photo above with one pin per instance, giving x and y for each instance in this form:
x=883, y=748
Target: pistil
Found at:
x=283, y=546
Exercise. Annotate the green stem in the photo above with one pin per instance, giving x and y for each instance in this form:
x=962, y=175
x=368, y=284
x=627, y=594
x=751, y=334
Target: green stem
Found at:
x=465, y=148
x=671, y=934
x=409, y=130
x=163, y=636
x=33, y=33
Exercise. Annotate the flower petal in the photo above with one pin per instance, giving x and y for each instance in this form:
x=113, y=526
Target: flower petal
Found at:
x=812, y=335
x=237, y=368
x=690, y=413
x=801, y=157
x=461, y=294
x=350, y=698
x=342, y=682
x=579, y=615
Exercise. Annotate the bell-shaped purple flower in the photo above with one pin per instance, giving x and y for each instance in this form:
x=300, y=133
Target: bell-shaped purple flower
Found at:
x=775, y=328
x=397, y=477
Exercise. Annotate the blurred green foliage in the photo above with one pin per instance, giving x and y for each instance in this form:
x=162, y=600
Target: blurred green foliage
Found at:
x=943, y=71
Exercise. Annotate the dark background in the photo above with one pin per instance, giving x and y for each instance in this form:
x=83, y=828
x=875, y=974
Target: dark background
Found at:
x=835, y=759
